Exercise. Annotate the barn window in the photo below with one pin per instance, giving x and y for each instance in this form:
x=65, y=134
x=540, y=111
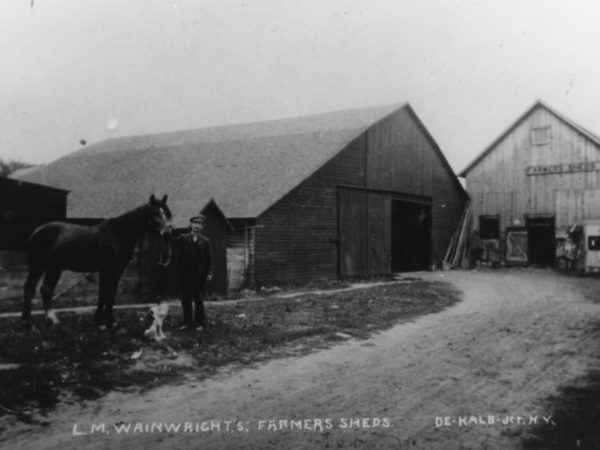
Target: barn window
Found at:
x=541, y=135
x=489, y=227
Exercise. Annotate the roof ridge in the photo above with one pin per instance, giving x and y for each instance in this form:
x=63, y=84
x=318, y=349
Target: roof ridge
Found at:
x=242, y=130
x=538, y=103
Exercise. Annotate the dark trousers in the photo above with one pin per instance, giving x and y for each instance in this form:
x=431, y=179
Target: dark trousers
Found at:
x=193, y=288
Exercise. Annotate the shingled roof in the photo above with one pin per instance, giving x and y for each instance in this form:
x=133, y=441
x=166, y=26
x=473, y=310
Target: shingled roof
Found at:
x=246, y=168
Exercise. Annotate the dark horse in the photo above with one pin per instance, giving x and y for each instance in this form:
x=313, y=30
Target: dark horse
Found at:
x=106, y=248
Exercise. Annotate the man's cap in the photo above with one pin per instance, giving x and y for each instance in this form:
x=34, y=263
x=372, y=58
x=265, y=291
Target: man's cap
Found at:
x=198, y=219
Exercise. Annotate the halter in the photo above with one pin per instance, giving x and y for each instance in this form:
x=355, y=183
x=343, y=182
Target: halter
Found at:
x=164, y=216
x=163, y=259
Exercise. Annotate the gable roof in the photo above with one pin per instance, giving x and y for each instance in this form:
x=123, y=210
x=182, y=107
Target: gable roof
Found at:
x=539, y=104
x=246, y=168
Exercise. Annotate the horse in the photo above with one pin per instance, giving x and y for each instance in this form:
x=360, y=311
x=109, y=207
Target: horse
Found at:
x=106, y=248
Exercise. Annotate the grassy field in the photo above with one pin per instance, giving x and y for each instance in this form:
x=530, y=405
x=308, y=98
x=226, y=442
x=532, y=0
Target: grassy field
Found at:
x=76, y=361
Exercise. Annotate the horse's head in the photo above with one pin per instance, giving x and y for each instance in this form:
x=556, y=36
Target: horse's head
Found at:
x=160, y=222
x=159, y=217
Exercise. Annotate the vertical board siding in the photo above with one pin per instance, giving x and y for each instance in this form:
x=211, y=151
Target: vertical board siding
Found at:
x=296, y=239
x=398, y=157
x=378, y=233
x=365, y=232
x=499, y=185
x=353, y=223
x=401, y=158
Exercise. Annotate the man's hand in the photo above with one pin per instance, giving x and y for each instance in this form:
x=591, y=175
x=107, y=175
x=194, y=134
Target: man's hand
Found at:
x=209, y=277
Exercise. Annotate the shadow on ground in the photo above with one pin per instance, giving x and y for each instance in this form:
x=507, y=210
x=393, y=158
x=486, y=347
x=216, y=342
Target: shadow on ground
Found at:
x=575, y=416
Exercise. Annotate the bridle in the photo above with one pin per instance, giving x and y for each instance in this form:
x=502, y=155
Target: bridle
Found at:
x=165, y=252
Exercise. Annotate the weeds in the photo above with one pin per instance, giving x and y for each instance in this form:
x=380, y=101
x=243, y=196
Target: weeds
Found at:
x=76, y=359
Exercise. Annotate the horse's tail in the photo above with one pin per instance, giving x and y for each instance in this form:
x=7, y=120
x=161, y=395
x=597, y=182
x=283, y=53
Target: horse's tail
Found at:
x=38, y=248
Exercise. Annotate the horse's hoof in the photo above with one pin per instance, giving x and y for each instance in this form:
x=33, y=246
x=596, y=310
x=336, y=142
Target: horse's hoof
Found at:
x=52, y=319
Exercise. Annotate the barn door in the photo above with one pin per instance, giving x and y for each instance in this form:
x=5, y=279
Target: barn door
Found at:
x=364, y=232
x=411, y=235
x=540, y=240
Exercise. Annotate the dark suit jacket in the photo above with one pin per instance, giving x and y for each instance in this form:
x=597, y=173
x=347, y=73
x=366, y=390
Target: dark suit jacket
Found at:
x=194, y=257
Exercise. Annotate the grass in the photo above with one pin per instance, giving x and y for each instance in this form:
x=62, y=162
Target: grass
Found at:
x=73, y=289
x=76, y=361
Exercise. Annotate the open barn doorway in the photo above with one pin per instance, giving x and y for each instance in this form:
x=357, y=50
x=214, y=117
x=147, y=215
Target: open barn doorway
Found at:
x=540, y=240
x=411, y=236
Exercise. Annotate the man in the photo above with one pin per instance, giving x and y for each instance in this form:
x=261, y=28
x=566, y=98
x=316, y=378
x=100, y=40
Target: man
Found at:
x=195, y=262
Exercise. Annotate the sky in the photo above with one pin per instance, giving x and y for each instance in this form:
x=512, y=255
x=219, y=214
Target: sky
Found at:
x=76, y=72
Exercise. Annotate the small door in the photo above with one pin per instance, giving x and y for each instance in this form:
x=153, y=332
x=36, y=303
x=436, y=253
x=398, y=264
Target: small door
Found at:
x=516, y=246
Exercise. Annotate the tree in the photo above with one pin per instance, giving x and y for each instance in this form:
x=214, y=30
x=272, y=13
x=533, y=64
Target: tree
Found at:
x=8, y=167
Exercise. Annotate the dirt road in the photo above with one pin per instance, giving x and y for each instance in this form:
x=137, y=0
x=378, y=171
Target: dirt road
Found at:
x=472, y=376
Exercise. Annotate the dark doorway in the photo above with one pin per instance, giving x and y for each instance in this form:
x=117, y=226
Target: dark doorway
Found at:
x=411, y=236
x=540, y=240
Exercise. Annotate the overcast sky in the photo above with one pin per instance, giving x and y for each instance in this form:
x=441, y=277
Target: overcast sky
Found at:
x=88, y=70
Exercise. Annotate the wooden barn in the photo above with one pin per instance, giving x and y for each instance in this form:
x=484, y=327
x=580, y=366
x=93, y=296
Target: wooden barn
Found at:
x=341, y=194
x=534, y=184
x=24, y=207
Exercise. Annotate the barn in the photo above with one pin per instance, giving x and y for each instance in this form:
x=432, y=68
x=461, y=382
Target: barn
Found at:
x=24, y=207
x=343, y=194
x=533, y=185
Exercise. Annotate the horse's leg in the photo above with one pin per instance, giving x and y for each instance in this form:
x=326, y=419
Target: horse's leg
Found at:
x=99, y=316
x=47, y=291
x=33, y=278
x=109, y=280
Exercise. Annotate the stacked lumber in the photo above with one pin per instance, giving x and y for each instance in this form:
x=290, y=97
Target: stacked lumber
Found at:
x=459, y=248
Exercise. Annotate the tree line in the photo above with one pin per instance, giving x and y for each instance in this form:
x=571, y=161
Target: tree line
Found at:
x=8, y=167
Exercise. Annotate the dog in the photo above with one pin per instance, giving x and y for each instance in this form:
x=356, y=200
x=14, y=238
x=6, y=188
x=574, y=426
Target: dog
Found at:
x=159, y=313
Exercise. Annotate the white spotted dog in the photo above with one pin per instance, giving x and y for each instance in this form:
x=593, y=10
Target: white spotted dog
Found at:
x=159, y=313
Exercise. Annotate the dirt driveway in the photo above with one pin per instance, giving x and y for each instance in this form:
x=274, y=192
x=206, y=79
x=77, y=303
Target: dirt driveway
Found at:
x=473, y=376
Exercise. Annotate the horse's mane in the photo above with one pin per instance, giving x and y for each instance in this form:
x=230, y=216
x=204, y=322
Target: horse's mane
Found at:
x=134, y=221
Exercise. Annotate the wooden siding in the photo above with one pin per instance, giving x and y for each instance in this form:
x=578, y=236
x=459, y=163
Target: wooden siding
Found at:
x=399, y=157
x=402, y=159
x=296, y=239
x=365, y=232
x=498, y=184
x=378, y=236
x=446, y=210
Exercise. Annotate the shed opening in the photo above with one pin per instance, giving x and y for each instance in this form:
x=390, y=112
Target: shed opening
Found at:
x=540, y=240
x=411, y=236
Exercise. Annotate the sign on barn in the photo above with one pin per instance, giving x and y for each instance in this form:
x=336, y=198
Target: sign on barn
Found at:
x=554, y=169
